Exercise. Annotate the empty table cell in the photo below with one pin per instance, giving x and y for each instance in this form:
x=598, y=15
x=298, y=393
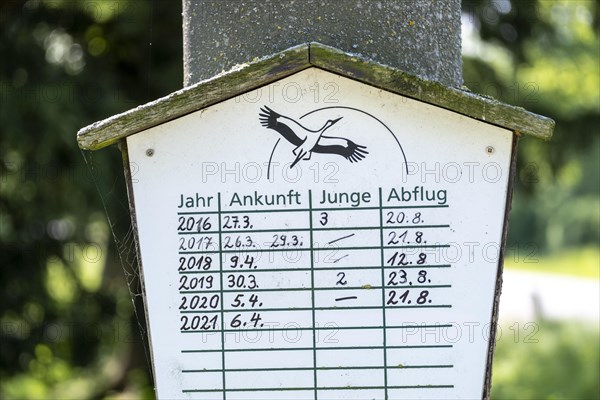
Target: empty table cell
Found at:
x=443, y=391
x=273, y=379
x=268, y=359
x=268, y=339
x=201, y=362
x=401, y=376
x=351, y=357
x=442, y=357
x=199, y=342
x=352, y=394
x=282, y=394
x=344, y=318
x=330, y=335
x=419, y=334
x=430, y=319
x=349, y=378
x=204, y=384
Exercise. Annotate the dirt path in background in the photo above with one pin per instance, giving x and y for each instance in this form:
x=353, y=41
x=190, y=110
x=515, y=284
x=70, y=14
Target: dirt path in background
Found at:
x=553, y=296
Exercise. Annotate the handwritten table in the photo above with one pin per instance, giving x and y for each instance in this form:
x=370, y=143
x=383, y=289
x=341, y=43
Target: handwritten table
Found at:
x=303, y=295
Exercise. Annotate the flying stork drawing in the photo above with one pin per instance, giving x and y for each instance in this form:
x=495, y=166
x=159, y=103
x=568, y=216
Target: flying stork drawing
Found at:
x=308, y=141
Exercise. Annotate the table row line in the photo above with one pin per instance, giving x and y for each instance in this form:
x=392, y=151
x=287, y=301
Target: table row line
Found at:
x=339, y=319
x=324, y=240
x=215, y=208
x=345, y=379
x=305, y=279
x=301, y=219
x=328, y=337
x=317, y=269
x=324, y=392
x=415, y=297
x=338, y=256
x=441, y=356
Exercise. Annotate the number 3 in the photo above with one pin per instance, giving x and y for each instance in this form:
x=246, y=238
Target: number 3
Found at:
x=324, y=218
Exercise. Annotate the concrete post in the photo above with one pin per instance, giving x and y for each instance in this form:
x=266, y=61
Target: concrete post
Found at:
x=418, y=36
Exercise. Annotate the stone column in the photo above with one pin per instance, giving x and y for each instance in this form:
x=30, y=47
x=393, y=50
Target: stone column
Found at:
x=421, y=37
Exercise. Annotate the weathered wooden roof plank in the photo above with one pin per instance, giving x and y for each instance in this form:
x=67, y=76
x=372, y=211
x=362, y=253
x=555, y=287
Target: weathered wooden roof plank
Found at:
x=192, y=98
x=269, y=69
x=458, y=100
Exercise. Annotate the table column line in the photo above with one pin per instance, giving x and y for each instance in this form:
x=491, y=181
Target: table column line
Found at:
x=220, y=232
x=385, y=374
x=312, y=286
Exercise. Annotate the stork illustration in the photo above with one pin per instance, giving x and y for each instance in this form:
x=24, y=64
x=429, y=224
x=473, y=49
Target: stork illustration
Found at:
x=308, y=141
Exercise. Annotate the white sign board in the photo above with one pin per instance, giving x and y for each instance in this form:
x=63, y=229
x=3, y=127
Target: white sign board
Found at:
x=320, y=238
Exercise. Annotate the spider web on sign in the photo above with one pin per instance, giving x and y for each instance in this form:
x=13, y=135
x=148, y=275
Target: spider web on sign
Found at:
x=116, y=209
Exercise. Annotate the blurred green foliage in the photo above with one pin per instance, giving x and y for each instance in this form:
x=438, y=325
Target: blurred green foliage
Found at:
x=68, y=327
x=583, y=262
x=544, y=56
x=554, y=361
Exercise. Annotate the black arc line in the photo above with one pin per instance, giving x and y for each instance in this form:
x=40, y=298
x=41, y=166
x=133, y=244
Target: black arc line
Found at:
x=370, y=115
x=353, y=109
x=271, y=158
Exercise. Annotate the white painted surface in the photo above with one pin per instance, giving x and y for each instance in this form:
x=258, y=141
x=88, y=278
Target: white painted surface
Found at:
x=224, y=151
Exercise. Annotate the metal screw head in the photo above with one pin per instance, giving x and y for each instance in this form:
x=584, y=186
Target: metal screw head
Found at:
x=489, y=150
x=150, y=152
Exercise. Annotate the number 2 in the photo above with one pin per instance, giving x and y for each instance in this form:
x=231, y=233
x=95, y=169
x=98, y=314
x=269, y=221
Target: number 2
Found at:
x=341, y=281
